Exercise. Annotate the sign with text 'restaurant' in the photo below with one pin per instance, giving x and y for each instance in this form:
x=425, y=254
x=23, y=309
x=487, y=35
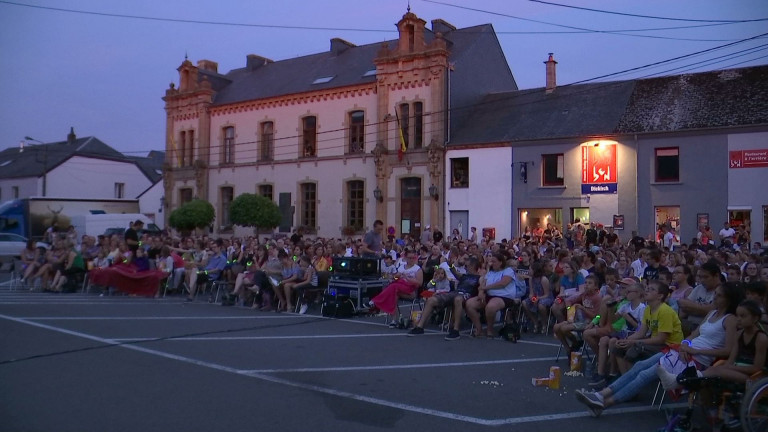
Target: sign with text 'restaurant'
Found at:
x=757, y=158
x=598, y=169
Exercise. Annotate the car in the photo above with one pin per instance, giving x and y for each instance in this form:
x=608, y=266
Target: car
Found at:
x=11, y=245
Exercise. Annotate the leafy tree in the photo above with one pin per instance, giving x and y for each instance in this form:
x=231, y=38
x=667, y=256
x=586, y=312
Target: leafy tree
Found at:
x=194, y=214
x=251, y=210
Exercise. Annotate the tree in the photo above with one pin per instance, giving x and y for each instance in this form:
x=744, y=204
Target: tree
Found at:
x=194, y=214
x=250, y=210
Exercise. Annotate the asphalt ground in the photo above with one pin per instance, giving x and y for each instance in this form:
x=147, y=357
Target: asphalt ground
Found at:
x=81, y=362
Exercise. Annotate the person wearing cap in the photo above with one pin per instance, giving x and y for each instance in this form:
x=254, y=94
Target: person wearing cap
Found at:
x=618, y=317
x=132, y=235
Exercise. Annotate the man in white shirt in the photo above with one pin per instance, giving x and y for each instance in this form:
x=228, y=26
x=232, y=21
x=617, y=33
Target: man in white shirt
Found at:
x=727, y=233
x=639, y=265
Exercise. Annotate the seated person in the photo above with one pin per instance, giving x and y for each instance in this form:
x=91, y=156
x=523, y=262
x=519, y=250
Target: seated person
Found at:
x=211, y=272
x=74, y=264
x=714, y=338
x=290, y=274
x=540, y=298
x=748, y=354
x=755, y=291
x=388, y=268
x=664, y=326
x=406, y=283
x=308, y=279
x=497, y=291
x=438, y=285
x=252, y=278
x=466, y=287
x=571, y=283
x=583, y=308
x=698, y=304
x=610, y=288
x=623, y=317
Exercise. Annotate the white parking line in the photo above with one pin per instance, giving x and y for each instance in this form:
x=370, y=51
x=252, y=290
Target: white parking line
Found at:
x=404, y=366
x=334, y=392
x=232, y=338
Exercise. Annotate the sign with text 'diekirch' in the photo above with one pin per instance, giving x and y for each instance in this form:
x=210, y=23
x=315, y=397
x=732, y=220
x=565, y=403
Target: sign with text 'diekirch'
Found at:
x=599, y=174
x=757, y=158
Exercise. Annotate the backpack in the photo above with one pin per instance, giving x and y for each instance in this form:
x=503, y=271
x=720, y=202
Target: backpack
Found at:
x=510, y=332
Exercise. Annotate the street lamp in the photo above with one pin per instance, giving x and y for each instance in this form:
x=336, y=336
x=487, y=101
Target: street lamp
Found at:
x=377, y=194
x=45, y=160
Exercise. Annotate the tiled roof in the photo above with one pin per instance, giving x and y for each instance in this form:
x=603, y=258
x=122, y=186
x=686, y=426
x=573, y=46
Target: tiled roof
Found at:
x=731, y=97
x=478, y=60
x=34, y=159
x=569, y=111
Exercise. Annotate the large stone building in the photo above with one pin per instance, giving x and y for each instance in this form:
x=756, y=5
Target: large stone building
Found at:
x=321, y=134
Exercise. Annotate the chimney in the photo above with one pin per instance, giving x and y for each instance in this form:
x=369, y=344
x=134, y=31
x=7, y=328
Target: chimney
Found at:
x=551, y=74
x=71, y=137
x=253, y=61
x=339, y=45
x=442, y=26
x=208, y=65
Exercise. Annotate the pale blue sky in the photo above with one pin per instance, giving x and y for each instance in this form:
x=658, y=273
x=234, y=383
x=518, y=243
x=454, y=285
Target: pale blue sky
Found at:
x=105, y=75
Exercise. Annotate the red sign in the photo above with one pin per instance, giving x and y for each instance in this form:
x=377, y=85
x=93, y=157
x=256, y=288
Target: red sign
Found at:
x=598, y=164
x=748, y=158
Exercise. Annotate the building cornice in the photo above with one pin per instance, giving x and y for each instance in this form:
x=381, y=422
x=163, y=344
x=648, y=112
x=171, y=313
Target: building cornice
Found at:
x=294, y=99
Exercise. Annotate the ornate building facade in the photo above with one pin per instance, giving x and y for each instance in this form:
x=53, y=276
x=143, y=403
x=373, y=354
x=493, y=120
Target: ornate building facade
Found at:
x=337, y=139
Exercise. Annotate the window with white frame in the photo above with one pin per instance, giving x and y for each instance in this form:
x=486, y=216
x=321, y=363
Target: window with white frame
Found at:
x=667, y=164
x=119, y=190
x=552, y=169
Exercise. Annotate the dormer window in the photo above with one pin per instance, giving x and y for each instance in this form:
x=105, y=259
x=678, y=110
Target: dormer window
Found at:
x=323, y=80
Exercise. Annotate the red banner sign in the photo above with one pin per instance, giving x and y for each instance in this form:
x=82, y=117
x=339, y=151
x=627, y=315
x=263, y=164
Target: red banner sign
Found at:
x=748, y=158
x=598, y=164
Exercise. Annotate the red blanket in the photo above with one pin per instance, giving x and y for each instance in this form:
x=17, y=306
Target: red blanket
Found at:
x=128, y=279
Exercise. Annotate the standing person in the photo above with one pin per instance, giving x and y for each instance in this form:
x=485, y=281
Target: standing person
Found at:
x=372, y=242
x=473, y=235
x=727, y=233
x=426, y=235
x=132, y=236
x=437, y=236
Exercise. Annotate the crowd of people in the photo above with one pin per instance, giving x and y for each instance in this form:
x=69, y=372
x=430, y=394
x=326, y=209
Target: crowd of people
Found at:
x=633, y=302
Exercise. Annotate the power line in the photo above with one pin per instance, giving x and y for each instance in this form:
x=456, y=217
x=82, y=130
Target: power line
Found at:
x=671, y=59
x=647, y=16
x=613, y=32
x=574, y=30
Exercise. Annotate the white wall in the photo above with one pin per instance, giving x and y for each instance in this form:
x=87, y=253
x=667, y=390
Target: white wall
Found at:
x=149, y=203
x=83, y=177
x=28, y=186
x=488, y=198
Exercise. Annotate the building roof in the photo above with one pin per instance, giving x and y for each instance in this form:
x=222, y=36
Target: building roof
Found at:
x=569, y=111
x=733, y=97
x=33, y=160
x=349, y=65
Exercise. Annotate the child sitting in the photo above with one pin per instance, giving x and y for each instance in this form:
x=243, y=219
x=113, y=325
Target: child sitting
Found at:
x=438, y=285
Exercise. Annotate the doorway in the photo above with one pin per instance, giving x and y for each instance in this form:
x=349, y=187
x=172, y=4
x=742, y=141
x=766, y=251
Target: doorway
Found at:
x=410, y=207
x=459, y=221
